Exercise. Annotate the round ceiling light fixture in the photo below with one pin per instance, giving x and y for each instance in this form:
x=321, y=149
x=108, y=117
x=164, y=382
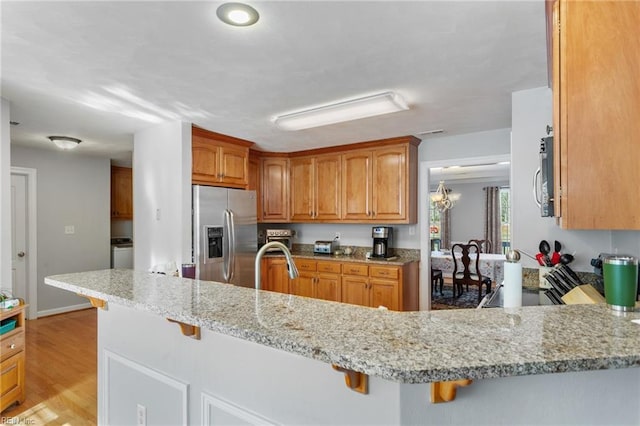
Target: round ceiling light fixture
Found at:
x=237, y=14
x=64, y=142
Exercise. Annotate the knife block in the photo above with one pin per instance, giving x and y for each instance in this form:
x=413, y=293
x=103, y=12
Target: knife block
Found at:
x=583, y=294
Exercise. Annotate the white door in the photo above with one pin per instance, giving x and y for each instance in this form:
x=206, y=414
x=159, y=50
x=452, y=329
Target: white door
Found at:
x=19, y=236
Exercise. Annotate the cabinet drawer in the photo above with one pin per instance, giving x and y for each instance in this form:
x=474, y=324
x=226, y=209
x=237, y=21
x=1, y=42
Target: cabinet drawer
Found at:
x=306, y=265
x=355, y=269
x=392, y=273
x=333, y=267
x=11, y=345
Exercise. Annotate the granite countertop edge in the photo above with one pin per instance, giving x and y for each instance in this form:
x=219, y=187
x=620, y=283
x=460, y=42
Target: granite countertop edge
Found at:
x=407, y=347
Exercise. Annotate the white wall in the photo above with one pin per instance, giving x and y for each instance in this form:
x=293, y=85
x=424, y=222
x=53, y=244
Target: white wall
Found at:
x=467, y=217
x=531, y=113
x=351, y=235
x=72, y=189
x=5, y=196
x=479, y=144
x=162, y=195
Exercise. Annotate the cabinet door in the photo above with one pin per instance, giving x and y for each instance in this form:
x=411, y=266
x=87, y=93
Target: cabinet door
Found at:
x=234, y=166
x=328, y=287
x=598, y=107
x=254, y=184
x=356, y=185
x=355, y=290
x=390, y=183
x=204, y=161
x=384, y=293
x=12, y=376
x=303, y=285
x=301, y=181
x=274, y=275
x=121, y=193
x=328, y=184
x=275, y=187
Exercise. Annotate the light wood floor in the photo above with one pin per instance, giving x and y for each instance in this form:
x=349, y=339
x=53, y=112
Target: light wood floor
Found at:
x=61, y=371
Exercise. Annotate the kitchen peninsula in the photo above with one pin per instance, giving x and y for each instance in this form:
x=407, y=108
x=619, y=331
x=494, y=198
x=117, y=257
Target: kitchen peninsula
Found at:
x=264, y=357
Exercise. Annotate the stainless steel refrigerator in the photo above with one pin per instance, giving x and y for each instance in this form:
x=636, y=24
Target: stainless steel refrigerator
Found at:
x=224, y=234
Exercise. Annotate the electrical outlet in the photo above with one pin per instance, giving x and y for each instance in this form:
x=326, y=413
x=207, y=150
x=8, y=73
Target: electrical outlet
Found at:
x=69, y=229
x=412, y=230
x=337, y=237
x=141, y=419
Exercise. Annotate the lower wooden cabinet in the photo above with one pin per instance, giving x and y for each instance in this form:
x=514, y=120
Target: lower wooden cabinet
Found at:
x=365, y=287
x=318, y=279
x=393, y=286
x=274, y=275
x=12, y=359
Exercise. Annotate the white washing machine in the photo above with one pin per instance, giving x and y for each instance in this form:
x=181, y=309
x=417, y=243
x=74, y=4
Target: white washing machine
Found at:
x=121, y=253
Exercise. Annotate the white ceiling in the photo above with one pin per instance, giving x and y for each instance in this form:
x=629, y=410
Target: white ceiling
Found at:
x=100, y=71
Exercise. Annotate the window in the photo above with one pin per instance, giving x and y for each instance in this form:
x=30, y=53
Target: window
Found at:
x=434, y=226
x=505, y=218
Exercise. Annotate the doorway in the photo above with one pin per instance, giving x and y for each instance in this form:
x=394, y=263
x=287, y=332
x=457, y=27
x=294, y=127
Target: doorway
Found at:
x=426, y=181
x=24, y=252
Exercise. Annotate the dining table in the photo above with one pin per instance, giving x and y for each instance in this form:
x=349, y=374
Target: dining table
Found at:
x=490, y=264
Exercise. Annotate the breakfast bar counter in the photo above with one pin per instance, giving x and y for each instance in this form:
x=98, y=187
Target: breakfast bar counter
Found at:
x=294, y=337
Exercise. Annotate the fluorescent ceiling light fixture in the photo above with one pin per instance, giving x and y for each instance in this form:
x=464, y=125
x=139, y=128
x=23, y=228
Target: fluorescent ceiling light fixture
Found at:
x=237, y=14
x=352, y=109
x=64, y=142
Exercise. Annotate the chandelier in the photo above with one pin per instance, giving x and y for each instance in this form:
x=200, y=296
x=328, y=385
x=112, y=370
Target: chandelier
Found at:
x=443, y=198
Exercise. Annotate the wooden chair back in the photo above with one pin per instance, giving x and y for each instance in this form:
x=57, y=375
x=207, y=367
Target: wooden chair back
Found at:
x=466, y=266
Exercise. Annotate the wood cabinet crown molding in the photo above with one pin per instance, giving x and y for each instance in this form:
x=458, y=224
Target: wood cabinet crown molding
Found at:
x=199, y=131
x=412, y=140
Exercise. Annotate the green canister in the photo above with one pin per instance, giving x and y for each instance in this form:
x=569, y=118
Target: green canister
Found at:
x=620, y=282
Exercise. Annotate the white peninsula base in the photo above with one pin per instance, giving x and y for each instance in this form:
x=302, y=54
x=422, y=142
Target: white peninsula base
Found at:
x=150, y=373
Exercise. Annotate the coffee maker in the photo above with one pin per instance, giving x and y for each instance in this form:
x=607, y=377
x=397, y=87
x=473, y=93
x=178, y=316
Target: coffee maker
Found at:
x=382, y=241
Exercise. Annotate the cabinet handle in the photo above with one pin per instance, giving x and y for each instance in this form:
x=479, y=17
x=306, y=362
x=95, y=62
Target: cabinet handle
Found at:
x=12, y=346
x=310, y=213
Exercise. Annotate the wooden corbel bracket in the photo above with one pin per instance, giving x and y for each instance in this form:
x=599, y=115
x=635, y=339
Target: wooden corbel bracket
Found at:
x=356, y=381
x=188, y=330
x=95, y=302
x=446, y=391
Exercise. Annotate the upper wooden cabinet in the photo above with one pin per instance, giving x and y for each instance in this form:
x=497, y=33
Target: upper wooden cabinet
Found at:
x=121, y=193
x=255, y=181
x=371, y=182
x=380, y=184
x=315, y=188
x=596, y=102
x=219, y=160
x=275, y=189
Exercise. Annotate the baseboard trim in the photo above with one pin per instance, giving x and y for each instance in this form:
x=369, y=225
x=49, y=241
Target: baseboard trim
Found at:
x=63, y=310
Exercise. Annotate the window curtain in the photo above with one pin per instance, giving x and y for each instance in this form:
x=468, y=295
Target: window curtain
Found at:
x=492, y=224
x=445, y=229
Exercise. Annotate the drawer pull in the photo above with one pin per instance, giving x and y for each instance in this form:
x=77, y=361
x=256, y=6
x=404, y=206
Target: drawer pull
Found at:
x=12, y=346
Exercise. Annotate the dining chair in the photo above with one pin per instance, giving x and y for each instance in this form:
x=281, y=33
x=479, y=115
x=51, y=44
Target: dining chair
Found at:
x=484, y=245
x=466, y=259
x=436, y=278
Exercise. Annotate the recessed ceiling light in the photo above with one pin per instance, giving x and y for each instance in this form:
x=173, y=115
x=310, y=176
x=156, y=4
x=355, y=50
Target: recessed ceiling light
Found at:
x=237, y=14
x=65, y=142
x=338, y=112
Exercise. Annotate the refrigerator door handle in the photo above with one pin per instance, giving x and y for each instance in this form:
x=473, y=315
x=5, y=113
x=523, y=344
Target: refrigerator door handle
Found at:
x=227, y=255
x=232, y=244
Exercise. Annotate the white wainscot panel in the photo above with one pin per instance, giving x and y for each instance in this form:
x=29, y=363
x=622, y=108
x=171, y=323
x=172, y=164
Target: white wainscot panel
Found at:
x=217, y=412
x=135, y=391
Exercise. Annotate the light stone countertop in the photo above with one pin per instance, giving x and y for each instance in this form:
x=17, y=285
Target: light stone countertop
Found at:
x=409, y=347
